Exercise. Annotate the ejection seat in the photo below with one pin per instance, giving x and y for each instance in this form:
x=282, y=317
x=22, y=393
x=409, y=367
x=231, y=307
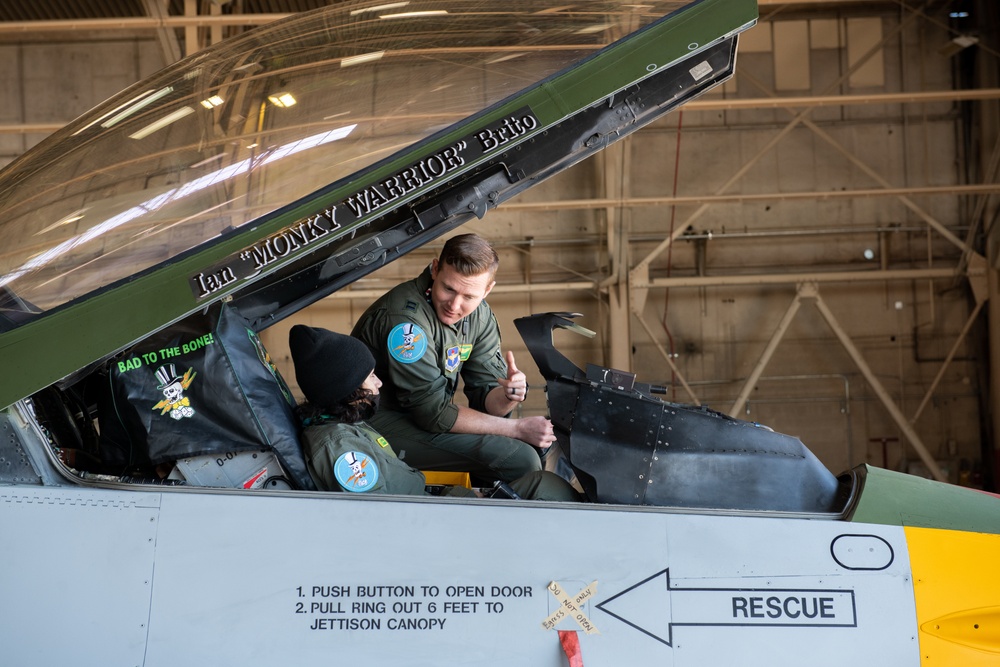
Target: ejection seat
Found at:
x=202, y=399
x=628, y=447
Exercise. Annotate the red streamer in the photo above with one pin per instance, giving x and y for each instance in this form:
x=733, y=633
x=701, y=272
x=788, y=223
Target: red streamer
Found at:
x=571, y=647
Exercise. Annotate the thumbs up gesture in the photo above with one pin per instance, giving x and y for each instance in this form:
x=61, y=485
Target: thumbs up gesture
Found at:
x=516, y=384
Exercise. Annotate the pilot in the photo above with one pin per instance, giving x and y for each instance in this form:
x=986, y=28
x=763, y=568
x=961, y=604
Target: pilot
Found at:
x=343, y=452
x=429, y=333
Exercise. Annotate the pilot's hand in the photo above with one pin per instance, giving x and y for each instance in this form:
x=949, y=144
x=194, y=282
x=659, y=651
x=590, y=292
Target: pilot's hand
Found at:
x=515, y=386
x=536, y=431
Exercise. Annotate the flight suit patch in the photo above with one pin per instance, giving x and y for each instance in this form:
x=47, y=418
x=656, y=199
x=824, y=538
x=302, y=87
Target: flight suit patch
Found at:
x=465, y=351
x=356, y=472
x=451, y=359
x=407, y=343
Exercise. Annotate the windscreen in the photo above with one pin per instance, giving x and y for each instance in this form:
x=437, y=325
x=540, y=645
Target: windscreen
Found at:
x=258, y=121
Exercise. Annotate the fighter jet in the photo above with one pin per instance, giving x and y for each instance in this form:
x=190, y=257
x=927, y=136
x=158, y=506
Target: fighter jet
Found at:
x=153, y=496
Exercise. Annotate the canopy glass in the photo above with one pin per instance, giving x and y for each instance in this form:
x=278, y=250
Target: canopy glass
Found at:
x=255, y=123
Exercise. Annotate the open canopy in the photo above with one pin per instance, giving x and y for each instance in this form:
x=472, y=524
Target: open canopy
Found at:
x=280, y=165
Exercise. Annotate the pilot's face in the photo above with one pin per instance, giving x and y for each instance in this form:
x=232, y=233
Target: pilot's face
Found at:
x=453, y=295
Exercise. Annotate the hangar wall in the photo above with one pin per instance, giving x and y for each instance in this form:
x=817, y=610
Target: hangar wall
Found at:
x=792, y=232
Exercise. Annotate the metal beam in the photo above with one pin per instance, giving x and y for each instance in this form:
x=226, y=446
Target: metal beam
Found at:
x=947, y=361
x=776, y=139
x=702, y=104
x=820, y=195
x=372, y=293
x=922, y=97
x=167, y=38
x=616, y=174
x=897, y=416
x=766, y=355
x=136, y=23
x=874, y=175
x=813, y=277
x=670, y=362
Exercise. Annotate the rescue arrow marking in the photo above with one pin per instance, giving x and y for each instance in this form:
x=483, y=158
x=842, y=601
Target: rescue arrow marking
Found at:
x=571, y=608
x=765, y=607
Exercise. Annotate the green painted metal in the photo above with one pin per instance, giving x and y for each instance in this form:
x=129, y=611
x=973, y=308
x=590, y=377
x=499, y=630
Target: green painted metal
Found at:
x=897, y=499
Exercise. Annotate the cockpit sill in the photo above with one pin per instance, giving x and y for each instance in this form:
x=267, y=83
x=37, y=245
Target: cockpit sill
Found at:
x=29, y=440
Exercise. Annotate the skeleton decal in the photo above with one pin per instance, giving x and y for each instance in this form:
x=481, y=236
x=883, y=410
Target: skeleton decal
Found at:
x=172, y=386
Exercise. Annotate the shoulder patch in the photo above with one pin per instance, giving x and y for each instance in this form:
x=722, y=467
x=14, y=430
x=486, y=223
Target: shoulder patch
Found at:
x=407, y=343
x=356, y=471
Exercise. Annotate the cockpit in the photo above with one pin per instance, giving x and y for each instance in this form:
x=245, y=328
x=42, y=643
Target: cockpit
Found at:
x=169, y=226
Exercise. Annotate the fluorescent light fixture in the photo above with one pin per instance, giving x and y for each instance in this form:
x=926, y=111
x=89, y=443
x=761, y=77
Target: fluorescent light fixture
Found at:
x=72, y=217
x=957, y=44
x=141, y=104
x=959, y=15
x=113, y=111
x=212, y=102
x=282, y=99
x=379, y=8
x=208, y=160
x=412, y=15
x=171, y=117
x=500, y=59
x=363, y=58
x=591, y=29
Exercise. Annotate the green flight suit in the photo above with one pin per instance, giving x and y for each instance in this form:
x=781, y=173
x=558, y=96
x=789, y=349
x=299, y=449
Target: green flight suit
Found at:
x=331, y=447
x=420, y=362
x=325, y=444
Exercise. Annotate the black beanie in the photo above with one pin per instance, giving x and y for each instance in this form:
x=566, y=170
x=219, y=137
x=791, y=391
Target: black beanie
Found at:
x=328, y=365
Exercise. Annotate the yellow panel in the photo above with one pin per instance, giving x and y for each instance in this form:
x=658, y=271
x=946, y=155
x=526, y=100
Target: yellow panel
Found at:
x=447, y=478
x=862, y=36
x=956, y=587
x=791, y=55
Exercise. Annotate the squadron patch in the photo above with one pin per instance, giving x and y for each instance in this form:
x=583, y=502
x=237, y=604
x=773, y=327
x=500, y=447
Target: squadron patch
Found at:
x=465, y=350
x=451, y=359
x=356, y=471
x=407, y=343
